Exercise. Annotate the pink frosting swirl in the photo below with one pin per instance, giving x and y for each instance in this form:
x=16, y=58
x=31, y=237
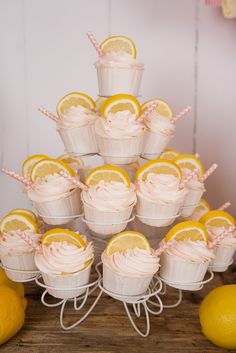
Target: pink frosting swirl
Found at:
x=194, y=183
x=11, y=243
x=161, y=124
x=118, y=59
x=228, y=241
x=76, y=117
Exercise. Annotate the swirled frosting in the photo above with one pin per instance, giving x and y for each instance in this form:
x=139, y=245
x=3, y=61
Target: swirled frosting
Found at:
x=63, y=258
x=162, y=187
x=161, y=124
x=229, y=240
x=51, y=188
x=133, y=263
x=118, y=59
x=121, y=124
x=109, y=196
x=12, y=243
x=194, y=183
x=76, y=117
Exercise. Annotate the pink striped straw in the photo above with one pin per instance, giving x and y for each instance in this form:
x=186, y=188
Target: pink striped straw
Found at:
x=28, y=239
x=220, y=237
x=164, y=247
x=189, y=177
x=208, y=172
x=48, y=114
x=181, y=114
x=197, y=155
x=75, y=181
x=224, y=206
x=215, y=3
x=95, y=43
x=147, y=112
x=27, y=183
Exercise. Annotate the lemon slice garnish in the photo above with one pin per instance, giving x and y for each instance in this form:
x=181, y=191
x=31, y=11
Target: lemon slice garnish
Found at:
x=217, y=218
x=30, y=162
x=107, y=173
x=120, y=102
x=190, y=162
x=71, y=160
x=60, y=235
x=17, y=221
x=73, y=100
x=158, y=166
x=49, y=166
x=118, y=43
x=99, y=103
x=25, y=211
x=169, y=154
x=190, y=230
x=127, y=240
x=162, y=108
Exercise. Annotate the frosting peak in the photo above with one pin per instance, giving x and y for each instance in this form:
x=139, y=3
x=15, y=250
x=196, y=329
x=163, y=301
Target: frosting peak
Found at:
x=118, y=59
x=159, y=123
x=11, y=243
x=77, y=116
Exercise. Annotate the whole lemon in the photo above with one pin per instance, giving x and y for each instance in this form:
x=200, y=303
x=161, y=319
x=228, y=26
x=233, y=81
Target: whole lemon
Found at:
x=18, y=287
x=12, y=313
x=218, y=316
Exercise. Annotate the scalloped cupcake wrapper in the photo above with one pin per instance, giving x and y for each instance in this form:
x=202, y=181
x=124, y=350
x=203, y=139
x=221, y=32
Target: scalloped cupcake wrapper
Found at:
x=223, y=258
x=154, y=144
x=191, y=201
x=23, y=262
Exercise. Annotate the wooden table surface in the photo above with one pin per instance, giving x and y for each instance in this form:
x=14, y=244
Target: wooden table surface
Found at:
x=108, y=329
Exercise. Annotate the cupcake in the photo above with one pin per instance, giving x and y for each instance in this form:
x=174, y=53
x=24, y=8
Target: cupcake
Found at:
x=56, y=199
x=184, y=265
x=216, y=222
x=159, y=194
x=109, y=200
x=65, y=262
x=119, y=134
x=16, y=255
x=76, y=112
x=202, y=208
x=170, y=154
x=118, y=69
x=159, y=129
x=128, y=265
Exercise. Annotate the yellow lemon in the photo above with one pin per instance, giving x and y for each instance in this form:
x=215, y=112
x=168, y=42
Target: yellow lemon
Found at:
x=127, y=240
x=158, y=166
x=73, y=100
x=169, y=154
x=218, y=316
x=117, y=44
x=18, y=287
x=107, y=173
x=59, y=235
x=162, y=108
x=192, y=230
x=120, y=102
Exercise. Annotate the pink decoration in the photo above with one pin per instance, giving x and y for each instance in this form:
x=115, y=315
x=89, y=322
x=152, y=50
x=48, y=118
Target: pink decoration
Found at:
x=209, y=172
x=164, y=247
x=73, y=180
x=95, y=43
x=220, y=237
x=190, y=176
x=224, y=206
x=215, y=3
x=147, y=112
x=48, y=114
x=181, y=114
x=28, y=239
x=27, y=183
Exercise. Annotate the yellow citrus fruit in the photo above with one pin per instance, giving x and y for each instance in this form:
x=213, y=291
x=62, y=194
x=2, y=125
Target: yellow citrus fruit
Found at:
x=12, y=313
x=163, y=108
x=190, y=162
x=158, y=166
x=169, y=154
x=17, y=221
x=73, y=100
x=217, y=218
x=30, y=162
x=18, y=287
x=25, y=211
x=127, y=240
x=74, y=162
x=99, y=103
x=59, y=235
x=49, y=166
x=120, y=102
x=118, y=43
x=217, y=315
x=107, y=173
x=189, y=230
x=228, y=8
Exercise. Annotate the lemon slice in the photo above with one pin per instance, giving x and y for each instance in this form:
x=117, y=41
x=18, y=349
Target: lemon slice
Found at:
x=158, y=166
x=99, y=103
x=120, y=102
x=26, y=212
x=49, y=166
x=60, y=235
x=189, y=161
x=127, y=240
x=217, y=218
x=118, y=43
x=72, y=161
x=203, y=205
x=17, y=221
x=73, y=100
x=190, y=230
x=163, y=108
x=30, y=162
x=169, y=154
x=107, y=173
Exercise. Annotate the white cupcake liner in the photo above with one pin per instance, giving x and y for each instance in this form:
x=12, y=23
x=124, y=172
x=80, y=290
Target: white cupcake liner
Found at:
x=182, y=274
x=80, y=140
x=156, y=214
x=114, y=80
x=119, y=151
x=60, y=211
x=154, y=144
x=24, y=262
x=191, y=202
x=223, y=258
x=67, y=286
x=106, y=223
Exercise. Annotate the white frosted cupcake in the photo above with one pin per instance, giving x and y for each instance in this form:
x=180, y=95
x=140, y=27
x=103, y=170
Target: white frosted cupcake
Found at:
x=185, y=264
x=109, y=200
x=202, y=208
x=76, y=123
x=118, y=70
x=65, y=262
x=128, y=265
x=159, y=195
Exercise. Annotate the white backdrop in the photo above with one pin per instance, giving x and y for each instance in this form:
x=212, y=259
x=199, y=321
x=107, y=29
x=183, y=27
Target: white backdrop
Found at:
x=189, y=51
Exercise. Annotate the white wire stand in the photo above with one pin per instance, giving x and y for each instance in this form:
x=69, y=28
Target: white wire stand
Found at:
x=149, y=301
x=54, y=221
x=114, y=159
x=17, y=275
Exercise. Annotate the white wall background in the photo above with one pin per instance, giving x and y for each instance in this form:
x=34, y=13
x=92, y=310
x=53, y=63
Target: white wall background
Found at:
x=189, y=51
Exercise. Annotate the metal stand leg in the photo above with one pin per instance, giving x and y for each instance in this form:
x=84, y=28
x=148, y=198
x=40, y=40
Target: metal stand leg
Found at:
x=143, y=334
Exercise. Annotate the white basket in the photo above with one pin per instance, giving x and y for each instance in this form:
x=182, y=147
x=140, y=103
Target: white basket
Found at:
x=223, y=258
x=20, y=268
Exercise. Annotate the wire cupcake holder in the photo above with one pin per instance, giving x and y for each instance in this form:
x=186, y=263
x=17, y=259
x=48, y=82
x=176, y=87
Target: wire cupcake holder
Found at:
x=18, y=275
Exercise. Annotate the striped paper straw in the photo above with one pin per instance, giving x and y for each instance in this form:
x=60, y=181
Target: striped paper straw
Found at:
x=95, y=43
x=48, y=114
x=164, y=247
x=197, y=155
x=28, y=239
x=27, y=183
x=181, y=114
x=147, y=112
x=189, y=177
x=224, y=206
x=217, y=239
x=209, y=172
x=213, y=2
x=75, y=181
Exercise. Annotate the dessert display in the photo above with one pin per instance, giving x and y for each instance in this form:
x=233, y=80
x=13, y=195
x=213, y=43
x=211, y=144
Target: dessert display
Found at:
x=202, y=208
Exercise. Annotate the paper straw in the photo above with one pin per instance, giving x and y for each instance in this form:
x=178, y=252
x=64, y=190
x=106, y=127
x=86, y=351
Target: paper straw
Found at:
x=197, y=155
x=28, y=239
x=147, y=112
x=217, y=239
x=48, y=114
x=189, y=177
x=27, y=183
x=215, y=3
x=209, y=172
x=224, y=206
x=95, y=43
x=73, y=180
x=164, y=247
x=181, y=114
